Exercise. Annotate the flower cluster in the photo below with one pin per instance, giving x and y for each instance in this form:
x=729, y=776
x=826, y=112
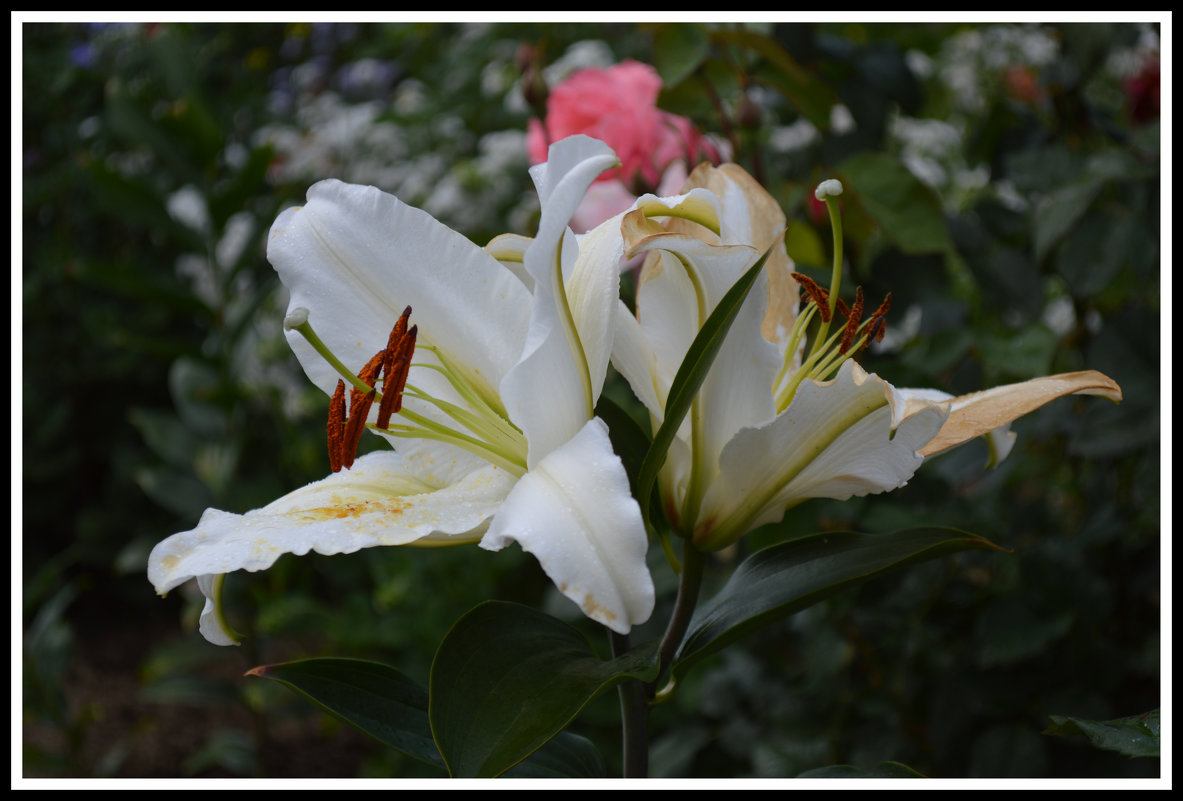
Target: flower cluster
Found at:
x=482, y=367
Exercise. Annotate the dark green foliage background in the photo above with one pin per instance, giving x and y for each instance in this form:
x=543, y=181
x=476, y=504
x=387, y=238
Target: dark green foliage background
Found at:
x=144, y=401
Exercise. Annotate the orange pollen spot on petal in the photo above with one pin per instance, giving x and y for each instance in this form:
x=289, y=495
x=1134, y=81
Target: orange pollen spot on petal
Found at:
x=384, y=506
x=336, y=426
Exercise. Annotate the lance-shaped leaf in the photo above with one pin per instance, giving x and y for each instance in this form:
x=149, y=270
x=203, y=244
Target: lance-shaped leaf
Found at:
x=384, y=703
x=507, y=678
x=392, y=708
x=786, y=578
x=567, y=756
x=1135, y=736
x=884, y=770
x=691, y=374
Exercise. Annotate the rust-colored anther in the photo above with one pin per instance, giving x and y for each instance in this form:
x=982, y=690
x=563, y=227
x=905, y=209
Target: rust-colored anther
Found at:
x=398, y=366
x=877, y=324
x=392, y=342
x=336, y=426
x=369, y=374
x=359, y=407
x=880, y=330
x=852, y=322
x=818, y=295
x=359, y=410
x=393, y=362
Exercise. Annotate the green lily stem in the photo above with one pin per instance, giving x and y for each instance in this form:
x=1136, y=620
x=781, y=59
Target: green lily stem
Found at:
x=689, y=583
x=634, y=695
x=634, y=718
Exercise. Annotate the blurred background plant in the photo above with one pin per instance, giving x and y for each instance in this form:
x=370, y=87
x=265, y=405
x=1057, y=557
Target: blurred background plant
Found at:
x=1002, y=182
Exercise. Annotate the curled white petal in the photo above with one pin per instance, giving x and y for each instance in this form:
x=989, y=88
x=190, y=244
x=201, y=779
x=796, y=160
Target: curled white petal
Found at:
x=385, y=499
x=573, y=511
x=212, y=624
x=556, y=350
x=835, y=440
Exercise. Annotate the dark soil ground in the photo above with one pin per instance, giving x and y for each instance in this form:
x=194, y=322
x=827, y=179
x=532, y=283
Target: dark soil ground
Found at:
x=122, y=733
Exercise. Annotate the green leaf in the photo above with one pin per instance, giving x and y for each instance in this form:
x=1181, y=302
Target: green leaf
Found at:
x=1058, y=211
x=1026, y=352
x=909, y=212
x=783, y=579
x=1135, y=736
x=567, y=756
x=691, y=373
x=805, y=246
x=884, y=770
x=1009, y=631
x=376, y=698
x=507, y=678
x=811, y=97
x=678, y=50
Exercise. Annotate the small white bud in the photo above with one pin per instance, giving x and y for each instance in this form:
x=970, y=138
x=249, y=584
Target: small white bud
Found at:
x=831, y=187
x=296, y=318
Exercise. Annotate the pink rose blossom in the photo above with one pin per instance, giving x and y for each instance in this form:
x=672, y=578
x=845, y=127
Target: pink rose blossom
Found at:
x=618, y=106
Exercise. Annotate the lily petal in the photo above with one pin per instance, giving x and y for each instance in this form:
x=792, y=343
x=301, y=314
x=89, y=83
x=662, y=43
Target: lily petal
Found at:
x=211, y=624
x=835, y=440
x=427, y=494
x=738, y=389
x=554, y=354
x=575, y=513
x=510, y=250
x=752, y=217
x=982, y=412
x=356, y=257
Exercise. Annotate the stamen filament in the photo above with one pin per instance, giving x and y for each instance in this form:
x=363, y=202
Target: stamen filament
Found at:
x=493, y=438
x=469, y=391
x=478, y=424
x=426, y=428
x=297, y=320
x=808, y=369
x=800, y=325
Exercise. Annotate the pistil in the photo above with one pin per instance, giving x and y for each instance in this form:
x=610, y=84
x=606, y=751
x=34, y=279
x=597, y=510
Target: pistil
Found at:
x=828, y=351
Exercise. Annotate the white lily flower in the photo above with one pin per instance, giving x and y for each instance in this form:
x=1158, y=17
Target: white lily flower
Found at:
x=773, y=425
x=495, y=440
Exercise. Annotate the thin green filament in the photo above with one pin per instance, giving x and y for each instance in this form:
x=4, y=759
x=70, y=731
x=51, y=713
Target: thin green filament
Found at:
x=493, y=438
